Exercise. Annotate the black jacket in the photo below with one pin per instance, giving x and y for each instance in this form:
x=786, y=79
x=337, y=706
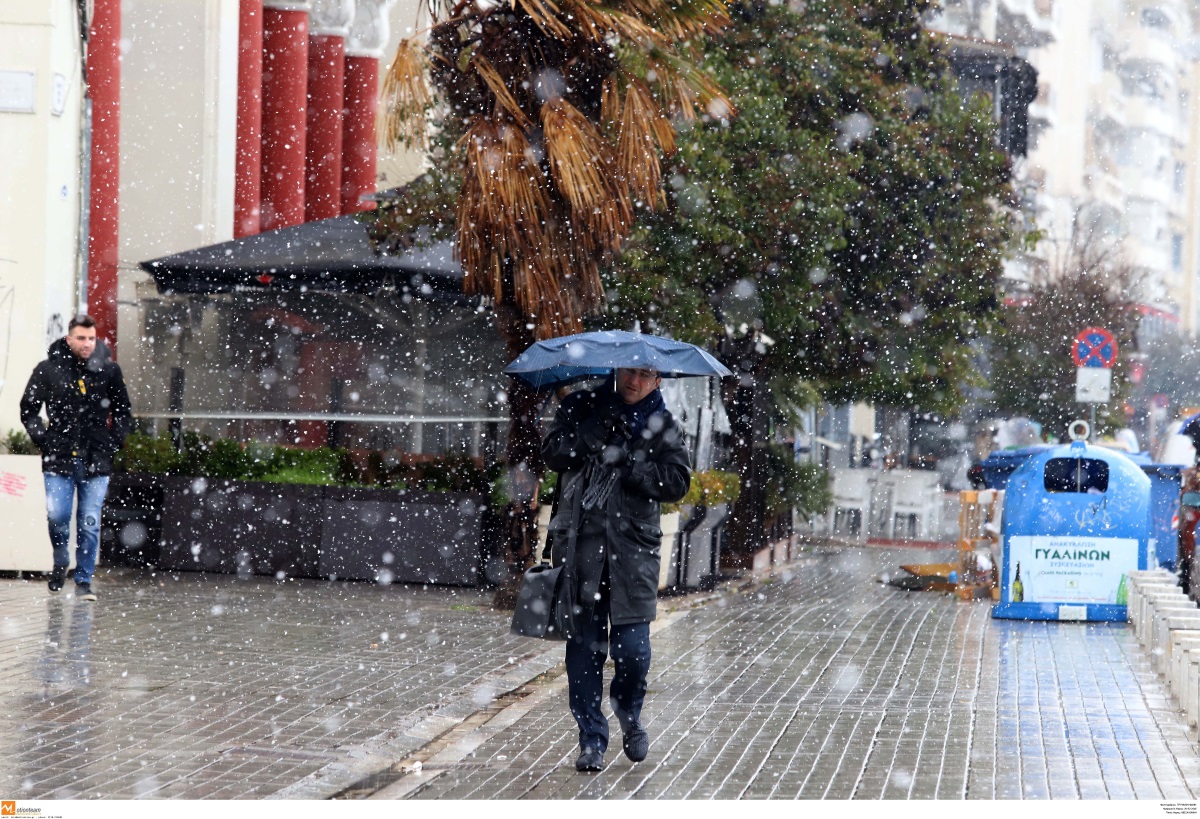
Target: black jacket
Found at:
x=626, y=533
x=88, y=408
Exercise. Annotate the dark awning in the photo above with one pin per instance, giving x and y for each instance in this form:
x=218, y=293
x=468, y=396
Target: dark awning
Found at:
x=326, y=255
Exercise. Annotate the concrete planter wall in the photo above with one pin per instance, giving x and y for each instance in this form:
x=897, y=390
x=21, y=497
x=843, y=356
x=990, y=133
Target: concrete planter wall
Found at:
x=244, y=527
x=131, y=525
x=402, y=536
x=297, y=530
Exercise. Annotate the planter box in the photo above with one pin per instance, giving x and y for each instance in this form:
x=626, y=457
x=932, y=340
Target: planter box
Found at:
x=131, y=524
x=669, y=549
x=700, y=555
x=243, y=527
x=402, y=536
x=24, y=537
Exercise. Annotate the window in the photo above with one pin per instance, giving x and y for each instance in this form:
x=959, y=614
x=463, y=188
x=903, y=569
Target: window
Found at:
x=1155, y=18
x=1083, y=475
x=1176, y=252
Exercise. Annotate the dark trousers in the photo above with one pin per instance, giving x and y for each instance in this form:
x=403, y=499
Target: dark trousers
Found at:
x=586, y=654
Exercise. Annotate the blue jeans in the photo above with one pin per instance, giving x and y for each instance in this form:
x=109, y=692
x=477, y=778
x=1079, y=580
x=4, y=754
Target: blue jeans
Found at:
x=60, y=497
x=586, y=654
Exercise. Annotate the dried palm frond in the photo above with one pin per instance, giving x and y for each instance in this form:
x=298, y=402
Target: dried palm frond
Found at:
x=599, y=23
x=581, y=165
x=684, y=86
x=681, y=19
x=495, y=84
x=406, y=98
x=645, y=131
x=545, y=15
x=593, y=85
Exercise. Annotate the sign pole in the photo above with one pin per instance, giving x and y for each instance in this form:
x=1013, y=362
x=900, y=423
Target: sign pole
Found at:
x=1094, y=350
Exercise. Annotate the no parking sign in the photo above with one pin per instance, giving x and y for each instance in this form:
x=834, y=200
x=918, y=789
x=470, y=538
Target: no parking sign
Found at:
x=1094, y=351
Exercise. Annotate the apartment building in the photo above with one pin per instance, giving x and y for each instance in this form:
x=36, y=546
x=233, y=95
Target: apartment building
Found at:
x=1113, y=132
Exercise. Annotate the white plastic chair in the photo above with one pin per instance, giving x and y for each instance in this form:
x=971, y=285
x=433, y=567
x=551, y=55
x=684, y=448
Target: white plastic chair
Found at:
x=915, y=498
x=852, y=493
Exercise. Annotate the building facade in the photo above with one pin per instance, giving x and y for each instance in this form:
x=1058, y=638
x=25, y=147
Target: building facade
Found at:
x=171, y=125
x=1112, y=135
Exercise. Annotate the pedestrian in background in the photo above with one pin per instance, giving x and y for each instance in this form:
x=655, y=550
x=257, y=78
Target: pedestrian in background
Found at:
x=620, y=455
x=88, y=413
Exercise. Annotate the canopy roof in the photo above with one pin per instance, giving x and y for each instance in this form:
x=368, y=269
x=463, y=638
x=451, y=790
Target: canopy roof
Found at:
x=329, y=255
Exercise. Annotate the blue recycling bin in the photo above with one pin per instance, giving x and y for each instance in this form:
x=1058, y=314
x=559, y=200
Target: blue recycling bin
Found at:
x=1076, y=519
x=1165, y=481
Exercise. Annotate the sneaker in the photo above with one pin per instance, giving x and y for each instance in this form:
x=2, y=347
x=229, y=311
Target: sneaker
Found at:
x=57, y=578
x=83, y=591
x=636, y=743
x=590, y=760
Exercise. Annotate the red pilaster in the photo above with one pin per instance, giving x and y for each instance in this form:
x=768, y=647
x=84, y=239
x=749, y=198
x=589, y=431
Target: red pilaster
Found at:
x=104, y=89
x=247, y=196
x=284, y=109
x=358, y=132
x=323, y=165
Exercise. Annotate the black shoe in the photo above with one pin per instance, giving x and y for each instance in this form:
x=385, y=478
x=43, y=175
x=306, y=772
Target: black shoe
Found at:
x=590, y=759
x=83, y=591
x=636, y=743
x=57, y=578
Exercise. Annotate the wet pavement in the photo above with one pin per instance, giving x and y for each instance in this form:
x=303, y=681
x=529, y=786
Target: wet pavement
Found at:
x=818, y=682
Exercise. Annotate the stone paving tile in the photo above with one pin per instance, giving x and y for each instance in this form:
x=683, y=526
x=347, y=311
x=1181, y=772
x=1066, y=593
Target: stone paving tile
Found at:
x=194, y=686
x=826, y=684
x=821, y=683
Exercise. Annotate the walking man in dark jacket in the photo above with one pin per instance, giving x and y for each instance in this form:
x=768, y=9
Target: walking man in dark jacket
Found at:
x=89, y=415
x=620, y=455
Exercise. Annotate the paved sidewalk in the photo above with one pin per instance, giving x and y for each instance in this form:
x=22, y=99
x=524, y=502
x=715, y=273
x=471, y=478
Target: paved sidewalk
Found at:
x=818, y=683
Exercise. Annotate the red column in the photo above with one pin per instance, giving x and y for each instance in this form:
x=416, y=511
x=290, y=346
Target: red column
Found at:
x=323, y=179
x=358, y=132
x=104, y=89
x=284, y=109
x=247, y=196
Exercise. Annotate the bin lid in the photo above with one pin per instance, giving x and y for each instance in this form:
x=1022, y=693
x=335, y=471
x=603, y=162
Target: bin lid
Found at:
x=1078, y=489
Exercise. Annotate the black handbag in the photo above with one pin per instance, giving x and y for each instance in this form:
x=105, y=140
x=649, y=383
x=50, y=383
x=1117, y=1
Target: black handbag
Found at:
x=536, y=602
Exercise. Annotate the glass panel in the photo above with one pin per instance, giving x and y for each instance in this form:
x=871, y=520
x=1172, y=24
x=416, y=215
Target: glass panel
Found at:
x=1076, y=475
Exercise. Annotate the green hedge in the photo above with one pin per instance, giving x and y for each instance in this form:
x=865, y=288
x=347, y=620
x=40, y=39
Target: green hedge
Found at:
x=202, y=456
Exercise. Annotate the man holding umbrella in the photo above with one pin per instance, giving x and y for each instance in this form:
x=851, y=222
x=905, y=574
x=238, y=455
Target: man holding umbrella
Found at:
x=620, y=454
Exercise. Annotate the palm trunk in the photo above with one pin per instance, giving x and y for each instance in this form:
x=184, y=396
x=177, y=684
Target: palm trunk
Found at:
x=523, y=457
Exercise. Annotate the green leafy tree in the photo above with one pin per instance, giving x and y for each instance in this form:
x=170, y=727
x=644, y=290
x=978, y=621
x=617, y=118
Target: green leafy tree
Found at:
x=842, y=238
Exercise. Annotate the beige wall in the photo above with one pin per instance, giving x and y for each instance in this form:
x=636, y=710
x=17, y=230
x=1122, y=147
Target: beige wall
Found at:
x=178, y=146
x=39, y=192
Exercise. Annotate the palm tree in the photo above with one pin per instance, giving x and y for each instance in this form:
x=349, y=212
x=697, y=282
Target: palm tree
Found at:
x=558, y=112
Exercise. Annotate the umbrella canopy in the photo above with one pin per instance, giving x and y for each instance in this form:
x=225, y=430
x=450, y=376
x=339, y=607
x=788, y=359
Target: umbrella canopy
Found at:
x=329, y=255
x=558, y=361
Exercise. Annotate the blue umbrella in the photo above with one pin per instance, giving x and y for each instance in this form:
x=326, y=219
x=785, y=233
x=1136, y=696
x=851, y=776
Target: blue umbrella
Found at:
x=558, y=361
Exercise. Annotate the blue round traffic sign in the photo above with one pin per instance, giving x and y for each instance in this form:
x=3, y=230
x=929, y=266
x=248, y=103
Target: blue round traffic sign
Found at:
x=1094, y=347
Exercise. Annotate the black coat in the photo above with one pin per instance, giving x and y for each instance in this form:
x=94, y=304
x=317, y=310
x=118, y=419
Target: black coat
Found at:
x=626, y=532
x=87, y=405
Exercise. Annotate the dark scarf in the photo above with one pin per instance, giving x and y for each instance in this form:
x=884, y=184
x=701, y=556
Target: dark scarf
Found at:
x=636, y=415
